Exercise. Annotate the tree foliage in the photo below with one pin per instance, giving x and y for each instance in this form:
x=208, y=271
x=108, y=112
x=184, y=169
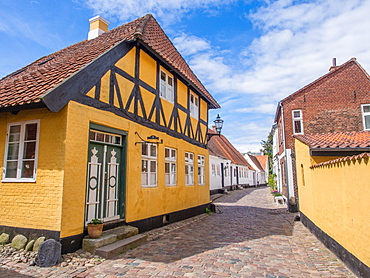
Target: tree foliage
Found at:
x=267, y=150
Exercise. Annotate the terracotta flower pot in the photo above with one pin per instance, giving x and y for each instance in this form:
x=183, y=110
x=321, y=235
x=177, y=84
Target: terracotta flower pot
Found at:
x=94, y=230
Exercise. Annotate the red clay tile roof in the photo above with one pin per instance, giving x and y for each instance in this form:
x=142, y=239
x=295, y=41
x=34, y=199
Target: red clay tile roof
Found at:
x=220, y=146
x=255, y=162
x=263, y=160
x=354, y=139
x=342, y=159
x=31, y=83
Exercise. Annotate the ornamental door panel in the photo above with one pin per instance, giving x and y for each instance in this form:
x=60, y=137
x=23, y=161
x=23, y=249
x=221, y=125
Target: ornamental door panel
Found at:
x=103, y=186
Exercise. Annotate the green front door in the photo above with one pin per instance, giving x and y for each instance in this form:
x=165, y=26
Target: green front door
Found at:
x=104, y=187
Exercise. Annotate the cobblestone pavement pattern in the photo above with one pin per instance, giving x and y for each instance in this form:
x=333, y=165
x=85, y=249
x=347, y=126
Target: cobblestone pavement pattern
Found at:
x=249, y=237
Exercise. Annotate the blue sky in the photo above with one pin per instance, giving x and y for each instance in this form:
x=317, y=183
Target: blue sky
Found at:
x=248, y=54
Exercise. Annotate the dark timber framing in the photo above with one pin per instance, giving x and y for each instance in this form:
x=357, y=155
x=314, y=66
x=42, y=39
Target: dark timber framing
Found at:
x=358, y=267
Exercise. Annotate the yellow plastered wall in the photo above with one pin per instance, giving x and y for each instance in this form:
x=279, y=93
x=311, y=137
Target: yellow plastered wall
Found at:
x=36, y=205
x=127, y=63
x=182, y=94
x=203, y=110
x=336, y=199
x=148, y=69
x=141, y=202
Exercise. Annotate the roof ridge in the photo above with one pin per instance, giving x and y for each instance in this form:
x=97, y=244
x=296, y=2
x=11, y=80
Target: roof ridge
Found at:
x=141, y=26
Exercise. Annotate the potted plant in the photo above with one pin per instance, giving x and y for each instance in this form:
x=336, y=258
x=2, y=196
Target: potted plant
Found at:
x=95, y=228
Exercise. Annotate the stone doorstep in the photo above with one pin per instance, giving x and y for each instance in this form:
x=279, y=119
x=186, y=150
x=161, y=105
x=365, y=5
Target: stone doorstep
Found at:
x=108, y=237
x=118, y=247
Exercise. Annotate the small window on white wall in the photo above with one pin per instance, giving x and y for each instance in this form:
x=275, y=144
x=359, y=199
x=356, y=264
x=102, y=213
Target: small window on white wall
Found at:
x=20, y=162
x=365, y=108
x=297, y=121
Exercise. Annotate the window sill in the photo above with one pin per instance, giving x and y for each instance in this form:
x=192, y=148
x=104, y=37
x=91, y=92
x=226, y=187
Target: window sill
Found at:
x=18, y=181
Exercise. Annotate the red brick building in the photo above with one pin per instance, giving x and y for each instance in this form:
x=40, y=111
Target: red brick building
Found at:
x=339, y=101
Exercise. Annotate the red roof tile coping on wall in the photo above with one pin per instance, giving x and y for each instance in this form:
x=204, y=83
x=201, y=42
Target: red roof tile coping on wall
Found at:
x=342, y=159
x=30, y=83
x=220, y=146
x=359, y=139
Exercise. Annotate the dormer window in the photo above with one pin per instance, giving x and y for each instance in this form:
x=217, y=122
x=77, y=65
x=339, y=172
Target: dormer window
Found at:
x=194, y=105
x=365, y=108
x=166, y=87
x=297, y=121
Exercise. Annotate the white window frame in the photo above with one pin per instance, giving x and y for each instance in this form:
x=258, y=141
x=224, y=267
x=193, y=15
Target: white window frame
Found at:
x=170, y=162
x=148, y=158
x=194, y=105
x=297, y=119
x=21, y=148
x=189, y=168
x=201, y=170
x=364, y=115
x=166, y=90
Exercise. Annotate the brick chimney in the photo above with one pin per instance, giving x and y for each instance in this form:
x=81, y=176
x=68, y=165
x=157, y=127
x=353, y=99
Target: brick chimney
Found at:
x=98, y=26
x=334, y=66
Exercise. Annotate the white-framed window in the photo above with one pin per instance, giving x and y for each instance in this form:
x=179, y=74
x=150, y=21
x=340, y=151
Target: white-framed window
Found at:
x=166, y=86
x=297, y=121
x=213, y=170
x=149, y=165
x=21, y=149
x=218, y=170
x=170, y=166
x=365, y=109
x=201, y=175
x=194, y=105
x=189, y=168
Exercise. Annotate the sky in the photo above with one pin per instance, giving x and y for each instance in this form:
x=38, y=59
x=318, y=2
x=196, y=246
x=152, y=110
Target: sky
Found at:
x=249, y=54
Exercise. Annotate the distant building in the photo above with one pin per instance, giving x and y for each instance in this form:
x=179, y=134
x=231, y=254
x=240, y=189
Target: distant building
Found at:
x=228, y=167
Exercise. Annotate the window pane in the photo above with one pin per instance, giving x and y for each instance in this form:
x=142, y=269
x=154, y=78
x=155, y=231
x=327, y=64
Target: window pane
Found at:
x=144, y=179
x=117, y=140
x=168, y=181
x=167, y=168
x=297, y=114
x=11, y=169
x=153, y=150
x=144, y=166
x=173, y=153
x=153, y=178
x=29, y=150
x=27, y=169
x=144, y=149
x=99, y=137
x=108, y=138
x=31, y=132
x=170, y=82
x=163, y=90
x=167, y=153
x=367, y=122
x=92, y=135
x=15, y=133
x=366, y=108
x=163, y=76
x=297, y=127
x=153, y=166
x=13, y=150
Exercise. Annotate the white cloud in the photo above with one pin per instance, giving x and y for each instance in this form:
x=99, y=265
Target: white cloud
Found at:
x=264, y=108
x=189, y=45
x=166, y=11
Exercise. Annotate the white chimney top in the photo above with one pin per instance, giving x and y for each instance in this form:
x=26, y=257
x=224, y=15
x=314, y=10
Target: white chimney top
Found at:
x=98, y=26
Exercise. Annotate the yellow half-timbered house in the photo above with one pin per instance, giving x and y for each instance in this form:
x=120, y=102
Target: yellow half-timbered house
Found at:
x=114, y=127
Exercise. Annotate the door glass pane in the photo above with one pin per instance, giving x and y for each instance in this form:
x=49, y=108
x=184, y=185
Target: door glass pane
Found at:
x=11, y=169
x=27, y=169
x=14, y=134
x=31, y=132
x=13, y=150
x=29, y=150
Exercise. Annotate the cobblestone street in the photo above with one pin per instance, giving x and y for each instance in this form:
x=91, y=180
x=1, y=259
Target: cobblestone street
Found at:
x=250, y=236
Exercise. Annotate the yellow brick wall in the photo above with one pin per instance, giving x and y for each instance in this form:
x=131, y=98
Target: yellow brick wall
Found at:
x=336, y=199
x=36, y=204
